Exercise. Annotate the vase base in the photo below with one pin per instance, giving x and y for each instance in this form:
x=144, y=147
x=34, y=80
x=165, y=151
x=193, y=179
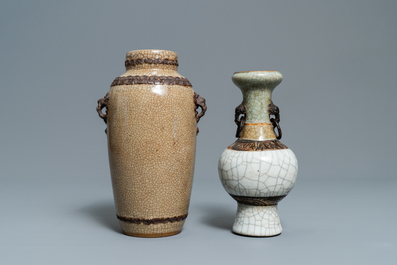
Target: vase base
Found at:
x=152, y=235
x=253, y=235
x=151, y=230
x=257, y=221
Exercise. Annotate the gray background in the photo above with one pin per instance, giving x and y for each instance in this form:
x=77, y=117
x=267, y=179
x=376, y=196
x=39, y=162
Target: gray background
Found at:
x=338, y=114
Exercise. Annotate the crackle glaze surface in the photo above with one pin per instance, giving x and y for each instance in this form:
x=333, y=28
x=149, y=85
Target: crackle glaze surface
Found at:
x=257, y=170
x=257, y=88
x=257, y=221
x=258, y=173
x=152, y=143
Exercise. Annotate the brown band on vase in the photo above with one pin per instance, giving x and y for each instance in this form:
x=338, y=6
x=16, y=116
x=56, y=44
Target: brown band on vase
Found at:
x=133, y=62
x=258, y=201
x=251, y=145
x=150, y=80
x=153, y=220
x=257, y=132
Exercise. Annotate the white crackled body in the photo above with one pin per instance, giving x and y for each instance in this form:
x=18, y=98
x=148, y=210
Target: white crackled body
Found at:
x=257, y=221
x=259, y=173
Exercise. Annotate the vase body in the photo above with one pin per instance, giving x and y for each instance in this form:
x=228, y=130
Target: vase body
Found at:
x=151, y=133
x=257, y=170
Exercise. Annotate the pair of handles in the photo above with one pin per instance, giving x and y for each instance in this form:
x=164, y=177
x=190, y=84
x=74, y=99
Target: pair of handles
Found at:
x=199, y=102
x=240, y=115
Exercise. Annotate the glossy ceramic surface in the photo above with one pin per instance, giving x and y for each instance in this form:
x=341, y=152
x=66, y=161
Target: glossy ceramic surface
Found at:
x=151, y=130
x=257, y=170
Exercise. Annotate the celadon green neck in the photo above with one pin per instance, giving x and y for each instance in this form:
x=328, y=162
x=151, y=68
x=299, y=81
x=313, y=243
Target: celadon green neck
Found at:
x=257, y=88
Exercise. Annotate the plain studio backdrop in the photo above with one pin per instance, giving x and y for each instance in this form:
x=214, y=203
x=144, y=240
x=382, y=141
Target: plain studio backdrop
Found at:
x=338, y=114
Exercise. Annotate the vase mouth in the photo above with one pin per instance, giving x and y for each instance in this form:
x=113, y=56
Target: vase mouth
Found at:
x=152, y=54
x=260, y=71
x=257, y=79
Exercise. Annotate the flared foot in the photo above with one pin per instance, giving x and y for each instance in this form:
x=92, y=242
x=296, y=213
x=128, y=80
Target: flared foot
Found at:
x=261, y=221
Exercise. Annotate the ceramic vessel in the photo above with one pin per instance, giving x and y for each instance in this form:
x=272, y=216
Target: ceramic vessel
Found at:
x=151, y=116
x=257, y=170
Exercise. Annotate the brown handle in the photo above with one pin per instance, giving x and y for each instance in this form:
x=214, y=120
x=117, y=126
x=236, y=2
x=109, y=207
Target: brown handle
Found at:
x=239, y=118
x=275, y=111
x=103, y=103
x=199, y=102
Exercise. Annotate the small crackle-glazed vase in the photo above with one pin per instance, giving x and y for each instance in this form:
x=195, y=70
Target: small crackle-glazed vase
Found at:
x=257, y=170
x=151, y=116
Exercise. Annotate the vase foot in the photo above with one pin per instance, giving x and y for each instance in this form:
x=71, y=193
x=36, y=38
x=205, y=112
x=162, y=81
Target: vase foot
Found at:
x=152, y=235
x=151, y=230
x=257, y=221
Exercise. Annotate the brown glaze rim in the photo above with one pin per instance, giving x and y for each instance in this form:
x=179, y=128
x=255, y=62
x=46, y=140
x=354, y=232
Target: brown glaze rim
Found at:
x=152, y=221
x=152, y=235
x=252, y=145
x=133, y=62
x=150, y=80
x=258, y=201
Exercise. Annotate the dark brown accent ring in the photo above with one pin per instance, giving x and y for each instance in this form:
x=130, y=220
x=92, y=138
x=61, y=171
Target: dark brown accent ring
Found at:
x=152, y=221
x=251, y=145
x=150, y=80
x=134, y=62
x=258, y=201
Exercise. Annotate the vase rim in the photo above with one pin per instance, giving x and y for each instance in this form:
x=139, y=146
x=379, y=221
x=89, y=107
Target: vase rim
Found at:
x=260, y=71
x=151, y=56
x=153, y=50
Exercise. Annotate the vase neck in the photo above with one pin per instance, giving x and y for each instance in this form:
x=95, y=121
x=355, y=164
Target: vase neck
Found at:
x=256, y=102
x=142, y=60
x=257, y=88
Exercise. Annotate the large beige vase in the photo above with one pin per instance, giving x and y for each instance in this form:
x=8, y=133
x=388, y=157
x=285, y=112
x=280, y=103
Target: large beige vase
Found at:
x=151, y=116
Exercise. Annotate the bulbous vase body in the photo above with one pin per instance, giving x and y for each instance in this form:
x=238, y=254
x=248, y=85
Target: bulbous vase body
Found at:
x=151, y=132
x=257, y=170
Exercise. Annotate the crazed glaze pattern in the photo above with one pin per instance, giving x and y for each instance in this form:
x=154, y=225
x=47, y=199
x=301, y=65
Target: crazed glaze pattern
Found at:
x=260, y=132
x=257, y=88
x=258, y=173
x=257, y=221
x=257, y=170
x=152, y=143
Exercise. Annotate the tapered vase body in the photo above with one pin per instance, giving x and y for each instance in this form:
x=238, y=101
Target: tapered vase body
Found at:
x=151, y=131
